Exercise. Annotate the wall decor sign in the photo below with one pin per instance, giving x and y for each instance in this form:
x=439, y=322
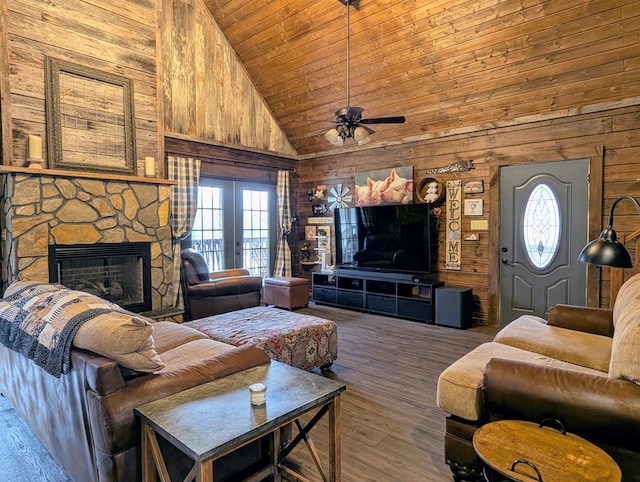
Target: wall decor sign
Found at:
x=473, y=207
x=310, y=232
x=90, y=119
x=471, y=187
x=458, y=166
x=384, y=186
x=454, y=225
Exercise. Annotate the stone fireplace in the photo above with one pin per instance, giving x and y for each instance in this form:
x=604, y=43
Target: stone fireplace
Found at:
x=51, y=208
x=118, y=272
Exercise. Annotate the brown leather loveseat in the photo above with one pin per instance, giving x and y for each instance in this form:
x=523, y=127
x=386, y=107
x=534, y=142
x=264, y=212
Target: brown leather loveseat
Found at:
x=581, y=367
x=211, y=293
x=85, y=418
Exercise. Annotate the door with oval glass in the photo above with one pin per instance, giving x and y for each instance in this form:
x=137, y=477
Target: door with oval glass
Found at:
x=543, y=227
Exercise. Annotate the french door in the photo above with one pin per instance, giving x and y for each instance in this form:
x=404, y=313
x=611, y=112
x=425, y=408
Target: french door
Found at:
x=235, y=225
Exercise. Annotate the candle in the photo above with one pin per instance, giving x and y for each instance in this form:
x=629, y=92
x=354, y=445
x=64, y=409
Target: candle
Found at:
x=35, y=147
x=149, y=167
x=257, y=394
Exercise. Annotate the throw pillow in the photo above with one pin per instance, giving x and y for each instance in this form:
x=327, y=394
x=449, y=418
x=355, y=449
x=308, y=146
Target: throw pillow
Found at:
x=625, y=348
x=123, y=337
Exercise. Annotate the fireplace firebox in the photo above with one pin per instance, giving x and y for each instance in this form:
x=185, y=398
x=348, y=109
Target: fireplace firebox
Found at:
x=118, y=272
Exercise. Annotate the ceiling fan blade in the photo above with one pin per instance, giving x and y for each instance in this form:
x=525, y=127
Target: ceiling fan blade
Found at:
x=384, y=120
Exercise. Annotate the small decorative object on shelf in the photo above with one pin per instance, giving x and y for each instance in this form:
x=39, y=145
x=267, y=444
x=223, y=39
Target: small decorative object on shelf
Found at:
x=305, y=252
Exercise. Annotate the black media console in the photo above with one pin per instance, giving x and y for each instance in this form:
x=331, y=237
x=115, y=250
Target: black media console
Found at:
x=392, y=294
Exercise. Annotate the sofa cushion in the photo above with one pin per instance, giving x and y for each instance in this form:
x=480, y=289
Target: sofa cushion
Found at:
x=168, y=335
x=625, y=353
x=533, y=334
x=460, y=385
x=123, y=337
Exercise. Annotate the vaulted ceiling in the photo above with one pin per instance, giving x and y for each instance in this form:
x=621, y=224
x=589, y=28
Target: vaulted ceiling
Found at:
x=447, y=65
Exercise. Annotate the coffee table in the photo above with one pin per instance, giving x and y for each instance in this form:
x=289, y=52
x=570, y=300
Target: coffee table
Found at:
x=527, y=451
x=216, y=418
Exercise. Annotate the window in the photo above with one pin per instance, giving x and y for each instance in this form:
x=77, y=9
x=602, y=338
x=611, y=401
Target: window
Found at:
x=541, y=227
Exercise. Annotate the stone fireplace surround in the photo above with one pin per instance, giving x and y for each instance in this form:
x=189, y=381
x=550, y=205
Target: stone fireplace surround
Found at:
x=42, y=208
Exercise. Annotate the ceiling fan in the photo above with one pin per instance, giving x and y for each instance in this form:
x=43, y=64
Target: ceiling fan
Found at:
x=349, y=121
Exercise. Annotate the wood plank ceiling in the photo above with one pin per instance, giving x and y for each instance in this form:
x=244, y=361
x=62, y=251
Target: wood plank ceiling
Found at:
x=446, y=65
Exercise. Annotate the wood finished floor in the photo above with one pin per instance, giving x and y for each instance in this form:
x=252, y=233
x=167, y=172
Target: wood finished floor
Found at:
x=392, y=429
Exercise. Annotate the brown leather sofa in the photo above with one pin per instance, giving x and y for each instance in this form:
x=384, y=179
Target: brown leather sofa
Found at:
x=581, y=367
x=85, y=418
x=208, y=294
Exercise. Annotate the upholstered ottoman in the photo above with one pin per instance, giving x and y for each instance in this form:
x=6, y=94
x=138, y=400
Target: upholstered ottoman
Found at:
x=289, y=293
x=299, y=340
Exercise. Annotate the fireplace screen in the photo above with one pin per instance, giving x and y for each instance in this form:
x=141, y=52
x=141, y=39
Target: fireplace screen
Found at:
x=118, y=272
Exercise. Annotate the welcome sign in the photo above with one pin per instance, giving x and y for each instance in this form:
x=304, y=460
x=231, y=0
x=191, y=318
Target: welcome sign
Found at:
x=454, y=224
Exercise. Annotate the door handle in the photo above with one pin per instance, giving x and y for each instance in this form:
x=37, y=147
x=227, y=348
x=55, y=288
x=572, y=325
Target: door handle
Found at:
x=506, y=262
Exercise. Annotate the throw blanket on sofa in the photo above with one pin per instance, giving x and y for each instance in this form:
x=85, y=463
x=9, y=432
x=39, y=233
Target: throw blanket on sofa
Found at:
x=40, y=320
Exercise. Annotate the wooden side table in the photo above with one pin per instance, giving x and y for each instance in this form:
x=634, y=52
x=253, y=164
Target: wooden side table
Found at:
x=526, y=451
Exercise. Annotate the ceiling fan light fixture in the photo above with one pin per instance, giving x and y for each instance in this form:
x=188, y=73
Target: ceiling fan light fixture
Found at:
x=333, y=136
x=361, y=135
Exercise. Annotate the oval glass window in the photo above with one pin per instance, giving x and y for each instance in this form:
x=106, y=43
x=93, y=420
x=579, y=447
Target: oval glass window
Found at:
x=541, y=226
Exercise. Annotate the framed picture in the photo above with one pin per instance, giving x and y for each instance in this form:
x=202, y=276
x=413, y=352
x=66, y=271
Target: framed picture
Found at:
x=90, y=119
x=310, y=233
x=471, y=187
x=473, y=207
x=384, y=186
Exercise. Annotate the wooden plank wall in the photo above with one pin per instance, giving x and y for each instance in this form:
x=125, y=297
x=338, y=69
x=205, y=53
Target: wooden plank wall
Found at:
x=115, y=37
x=207, y=93
x=610, y=138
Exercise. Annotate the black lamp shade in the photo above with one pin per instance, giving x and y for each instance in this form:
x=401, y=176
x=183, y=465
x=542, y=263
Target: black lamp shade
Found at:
x=606, y=251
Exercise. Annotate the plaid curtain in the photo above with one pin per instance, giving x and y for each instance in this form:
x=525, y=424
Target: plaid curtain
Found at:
x=283, y=255
x=184, y=203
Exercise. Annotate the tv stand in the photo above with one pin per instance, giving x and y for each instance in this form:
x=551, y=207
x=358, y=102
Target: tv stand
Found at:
x=401, y=295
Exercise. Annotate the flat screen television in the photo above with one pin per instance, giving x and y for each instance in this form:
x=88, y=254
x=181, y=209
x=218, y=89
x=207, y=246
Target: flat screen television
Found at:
x=392, y=238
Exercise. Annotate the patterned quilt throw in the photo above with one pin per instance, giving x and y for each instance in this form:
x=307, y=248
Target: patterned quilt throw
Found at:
x=39, y=321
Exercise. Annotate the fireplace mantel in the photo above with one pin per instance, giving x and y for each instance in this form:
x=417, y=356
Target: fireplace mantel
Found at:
x=84, y=175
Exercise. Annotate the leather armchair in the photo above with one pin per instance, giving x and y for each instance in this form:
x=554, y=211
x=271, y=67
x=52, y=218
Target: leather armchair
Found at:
x=208, y=294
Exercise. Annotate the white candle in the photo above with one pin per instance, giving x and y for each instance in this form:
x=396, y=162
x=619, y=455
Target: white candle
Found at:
x=35, y=147
x=149, y=167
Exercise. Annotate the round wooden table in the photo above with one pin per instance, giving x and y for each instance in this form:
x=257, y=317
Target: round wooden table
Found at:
x=526, y=451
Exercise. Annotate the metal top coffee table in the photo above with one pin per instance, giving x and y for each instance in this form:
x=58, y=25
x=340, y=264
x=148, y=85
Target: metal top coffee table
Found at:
x=527, y=451
x=211, y=420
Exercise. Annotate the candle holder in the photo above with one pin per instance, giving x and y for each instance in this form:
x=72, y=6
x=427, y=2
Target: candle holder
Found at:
x=33, y=163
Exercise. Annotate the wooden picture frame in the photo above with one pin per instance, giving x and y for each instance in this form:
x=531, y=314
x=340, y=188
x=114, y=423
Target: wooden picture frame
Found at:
x=90, y=119
x=473, y=207
x=472, y=187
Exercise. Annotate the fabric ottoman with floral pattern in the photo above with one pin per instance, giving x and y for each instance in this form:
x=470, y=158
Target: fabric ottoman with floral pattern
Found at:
x=299, y=340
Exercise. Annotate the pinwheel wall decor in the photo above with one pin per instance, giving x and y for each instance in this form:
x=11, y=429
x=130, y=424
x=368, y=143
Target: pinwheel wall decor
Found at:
x=339, y=196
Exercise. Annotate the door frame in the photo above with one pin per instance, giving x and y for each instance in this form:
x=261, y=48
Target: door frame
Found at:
x=594, y=226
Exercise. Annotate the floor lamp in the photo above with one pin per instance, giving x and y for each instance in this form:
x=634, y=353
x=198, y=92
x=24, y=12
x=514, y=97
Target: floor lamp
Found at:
x=607, y=250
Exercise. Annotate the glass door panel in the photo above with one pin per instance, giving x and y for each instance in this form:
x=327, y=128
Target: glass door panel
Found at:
x=236, y=225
